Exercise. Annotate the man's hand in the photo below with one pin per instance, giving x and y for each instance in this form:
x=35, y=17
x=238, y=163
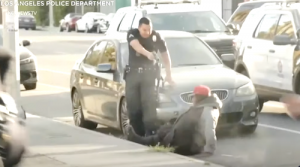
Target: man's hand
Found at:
x=205, y=155
x=169, y=79
x=292, y=103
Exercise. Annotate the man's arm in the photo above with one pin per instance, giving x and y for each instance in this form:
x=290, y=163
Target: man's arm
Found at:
x=162, y=47
x=133, y=41
x=211, y=117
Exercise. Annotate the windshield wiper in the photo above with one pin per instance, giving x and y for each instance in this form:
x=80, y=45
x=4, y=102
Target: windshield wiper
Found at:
x=191, y=64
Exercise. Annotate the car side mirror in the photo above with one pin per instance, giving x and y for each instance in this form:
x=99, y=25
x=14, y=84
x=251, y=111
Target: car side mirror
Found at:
x=26, y=43
x=298, y=34
x=231, y=26
x=104, y=68
x=284, y=40
x=228, y=60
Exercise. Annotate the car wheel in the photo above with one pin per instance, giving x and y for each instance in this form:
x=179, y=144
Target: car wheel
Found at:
x=30, y=86
x=61, y=29
x=124, y=120
x=78, y=114
x=13, y=161
x=26, y=28
x=99, y=29
x=68, y=29
x=261, y=103
x=33, y=28
x=247, y=129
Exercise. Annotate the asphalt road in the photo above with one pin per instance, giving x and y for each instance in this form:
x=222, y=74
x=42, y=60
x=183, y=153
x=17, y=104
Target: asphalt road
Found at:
x=274, y=144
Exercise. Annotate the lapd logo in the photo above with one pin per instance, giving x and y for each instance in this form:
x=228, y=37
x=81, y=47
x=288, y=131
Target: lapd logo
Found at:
x=154, y=38
x=280, y=66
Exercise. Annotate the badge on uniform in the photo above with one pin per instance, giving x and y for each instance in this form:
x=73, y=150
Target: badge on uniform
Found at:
x=154, y=38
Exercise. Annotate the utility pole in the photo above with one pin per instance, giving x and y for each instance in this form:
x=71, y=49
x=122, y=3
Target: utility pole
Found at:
x=51, y=19
x=10, y=18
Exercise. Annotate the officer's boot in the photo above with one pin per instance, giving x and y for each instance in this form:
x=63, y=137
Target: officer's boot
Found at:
x=148, y=140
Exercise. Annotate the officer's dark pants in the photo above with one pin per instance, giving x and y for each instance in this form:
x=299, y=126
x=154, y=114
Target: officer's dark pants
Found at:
x=141, y=100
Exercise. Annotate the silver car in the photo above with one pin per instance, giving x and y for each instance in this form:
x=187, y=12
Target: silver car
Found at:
x=97, y=85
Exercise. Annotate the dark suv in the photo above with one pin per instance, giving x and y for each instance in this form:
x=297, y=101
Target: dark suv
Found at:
x=179, y=17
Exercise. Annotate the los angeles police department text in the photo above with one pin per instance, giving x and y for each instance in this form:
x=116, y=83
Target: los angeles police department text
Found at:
x=57, y=3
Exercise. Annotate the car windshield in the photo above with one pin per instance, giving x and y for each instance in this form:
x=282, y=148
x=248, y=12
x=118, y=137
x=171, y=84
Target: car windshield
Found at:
x=186, y=51
x=201, y=21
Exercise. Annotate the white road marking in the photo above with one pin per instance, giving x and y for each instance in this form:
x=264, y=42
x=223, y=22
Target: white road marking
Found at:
x=279, y=128
x=54, y=71
x=52, y=86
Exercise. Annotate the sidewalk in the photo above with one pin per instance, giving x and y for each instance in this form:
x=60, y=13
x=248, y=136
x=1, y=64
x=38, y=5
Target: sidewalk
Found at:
x=55, y=144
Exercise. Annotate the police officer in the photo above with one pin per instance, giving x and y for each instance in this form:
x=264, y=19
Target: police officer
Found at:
x=141, y=75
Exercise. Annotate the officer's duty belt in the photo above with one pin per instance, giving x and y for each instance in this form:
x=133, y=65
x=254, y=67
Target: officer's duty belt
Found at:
x=142, y=69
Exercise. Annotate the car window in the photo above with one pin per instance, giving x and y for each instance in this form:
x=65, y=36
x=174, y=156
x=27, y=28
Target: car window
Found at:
x=93, y=56
x=285, y=26
x=136, y=20
x=188, y=21
x=267, y=27
x=242, y=12
x=127, y=22
x=109, y=55
x=249, y=24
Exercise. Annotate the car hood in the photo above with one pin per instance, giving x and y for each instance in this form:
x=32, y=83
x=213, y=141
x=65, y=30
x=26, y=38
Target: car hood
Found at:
x=216, y=37
x=24, y=53
x=215, y=77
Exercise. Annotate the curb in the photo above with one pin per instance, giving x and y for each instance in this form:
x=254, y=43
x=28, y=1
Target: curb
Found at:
x=28, y=115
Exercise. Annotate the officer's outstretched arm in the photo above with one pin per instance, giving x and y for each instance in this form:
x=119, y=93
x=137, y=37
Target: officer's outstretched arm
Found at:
x=135, y=44
x=163, y=49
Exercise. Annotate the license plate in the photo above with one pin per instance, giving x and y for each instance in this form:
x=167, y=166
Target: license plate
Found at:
x=26, y=20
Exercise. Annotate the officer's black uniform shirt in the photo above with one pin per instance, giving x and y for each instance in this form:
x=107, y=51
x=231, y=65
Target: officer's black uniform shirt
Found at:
x=152, y=43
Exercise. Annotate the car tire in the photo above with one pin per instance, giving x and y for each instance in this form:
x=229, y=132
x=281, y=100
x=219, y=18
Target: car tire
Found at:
x=247, y=129
x=78, y=114
x=61, y=29
x=30, y=86
x=123, y=116
x=99, y=29
x=26, y=28
x=33, y=28
x=68, y=29
x=13, y=162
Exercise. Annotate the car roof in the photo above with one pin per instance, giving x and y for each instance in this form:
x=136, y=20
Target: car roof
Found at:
x=173, y=8
x=263, y=1
x=163, y=33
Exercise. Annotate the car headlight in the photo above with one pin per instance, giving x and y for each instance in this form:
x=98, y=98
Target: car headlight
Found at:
x=164, y=99
x=27, y=60
x=246, y=90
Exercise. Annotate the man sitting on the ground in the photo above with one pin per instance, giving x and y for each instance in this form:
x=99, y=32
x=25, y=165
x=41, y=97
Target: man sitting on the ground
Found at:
x=193, y=132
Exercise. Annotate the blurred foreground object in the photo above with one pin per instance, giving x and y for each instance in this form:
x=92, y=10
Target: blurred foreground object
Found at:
x=292, y=103
x=13, y=135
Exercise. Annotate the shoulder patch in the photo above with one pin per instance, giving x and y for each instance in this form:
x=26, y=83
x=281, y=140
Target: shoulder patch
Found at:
x=131, y=36
x=154, y=38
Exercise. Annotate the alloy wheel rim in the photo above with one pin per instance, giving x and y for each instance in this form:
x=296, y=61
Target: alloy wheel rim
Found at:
x=77, y=109
x=124, y=115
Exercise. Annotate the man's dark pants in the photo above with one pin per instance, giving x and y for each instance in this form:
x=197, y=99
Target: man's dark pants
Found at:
x=141, y=100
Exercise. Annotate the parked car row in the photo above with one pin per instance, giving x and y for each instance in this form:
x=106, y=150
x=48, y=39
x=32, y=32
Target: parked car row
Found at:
x=201, y=52
x=89, y=22
x=28, y=65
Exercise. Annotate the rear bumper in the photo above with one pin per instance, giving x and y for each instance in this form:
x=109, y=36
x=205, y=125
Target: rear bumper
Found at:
x=27, y=25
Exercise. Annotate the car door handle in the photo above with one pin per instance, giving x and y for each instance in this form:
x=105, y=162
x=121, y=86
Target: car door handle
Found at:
x=272, y=51
x=249, y=47
x=81, y=76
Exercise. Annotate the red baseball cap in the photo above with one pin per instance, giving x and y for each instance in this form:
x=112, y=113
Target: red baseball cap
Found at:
x=202, y=90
